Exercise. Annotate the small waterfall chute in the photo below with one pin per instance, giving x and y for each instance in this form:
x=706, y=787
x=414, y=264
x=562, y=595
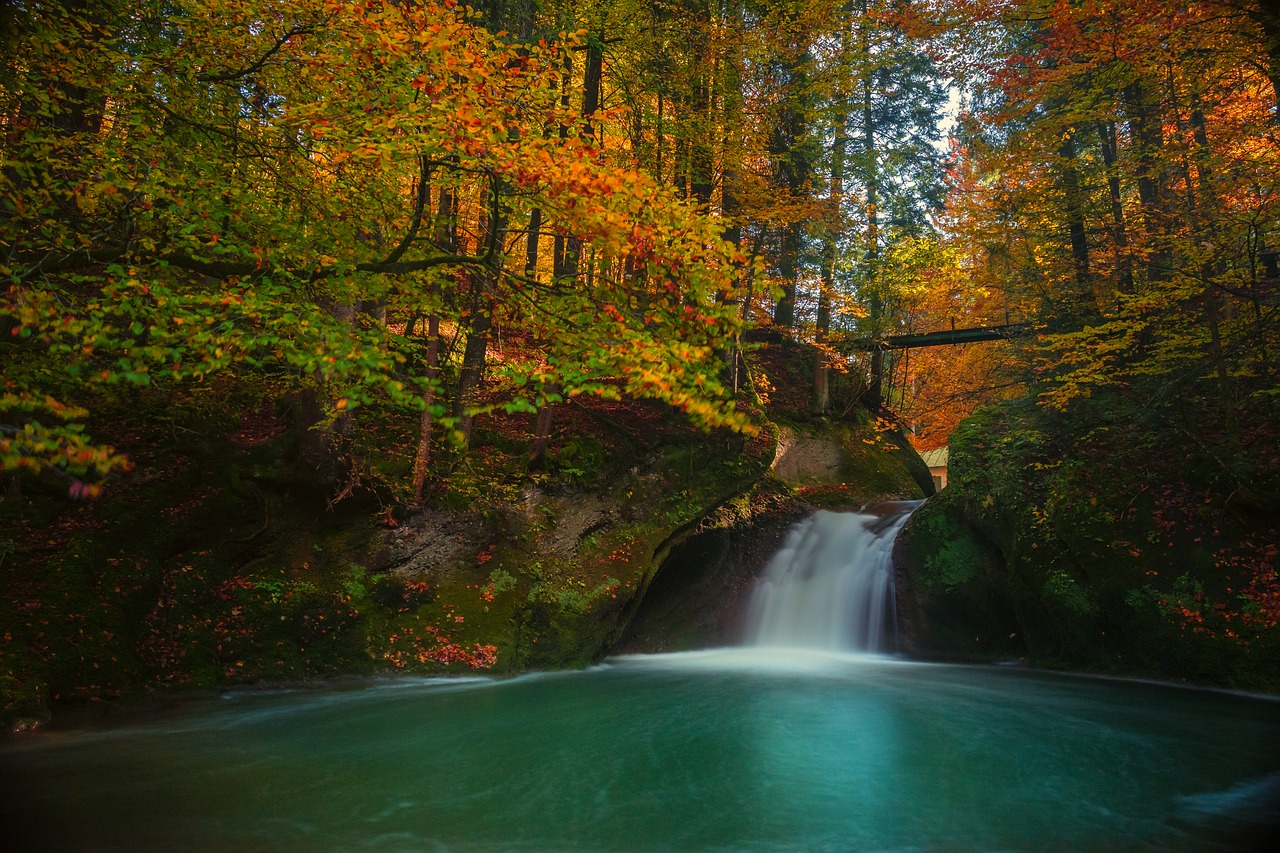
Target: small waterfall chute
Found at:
x=831, y=584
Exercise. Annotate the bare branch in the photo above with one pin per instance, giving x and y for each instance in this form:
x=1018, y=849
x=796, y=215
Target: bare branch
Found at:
x=228, y=76
x=419, y=207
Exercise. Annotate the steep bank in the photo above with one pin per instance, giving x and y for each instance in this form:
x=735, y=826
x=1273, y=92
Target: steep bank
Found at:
x=221, y=558
x=218, y=567
x=1079, y=542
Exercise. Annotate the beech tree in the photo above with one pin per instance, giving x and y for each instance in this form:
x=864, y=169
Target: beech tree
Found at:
x=1122, y=170
x=223, y=185
x=1135, y=197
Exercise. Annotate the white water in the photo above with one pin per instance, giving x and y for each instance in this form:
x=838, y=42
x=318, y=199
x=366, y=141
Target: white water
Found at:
x=831, y=584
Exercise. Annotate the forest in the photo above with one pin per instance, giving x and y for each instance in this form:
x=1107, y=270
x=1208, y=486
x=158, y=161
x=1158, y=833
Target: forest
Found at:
x=346, y=266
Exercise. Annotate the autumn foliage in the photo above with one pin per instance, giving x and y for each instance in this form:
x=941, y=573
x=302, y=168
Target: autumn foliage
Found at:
x=1117, y=169
x=442, y=258
x=297, y=188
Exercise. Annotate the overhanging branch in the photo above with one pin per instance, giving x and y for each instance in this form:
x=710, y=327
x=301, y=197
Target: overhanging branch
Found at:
x=228, y=76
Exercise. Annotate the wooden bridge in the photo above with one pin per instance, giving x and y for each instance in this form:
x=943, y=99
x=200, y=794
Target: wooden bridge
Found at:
x=946, y=337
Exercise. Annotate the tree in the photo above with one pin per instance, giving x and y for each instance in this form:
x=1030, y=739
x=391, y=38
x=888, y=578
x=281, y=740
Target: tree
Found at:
x=236, y=215
x=1131, y=143
x=1122, y=184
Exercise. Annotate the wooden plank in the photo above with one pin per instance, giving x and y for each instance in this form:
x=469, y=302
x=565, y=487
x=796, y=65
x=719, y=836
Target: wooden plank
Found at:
x=947, y=337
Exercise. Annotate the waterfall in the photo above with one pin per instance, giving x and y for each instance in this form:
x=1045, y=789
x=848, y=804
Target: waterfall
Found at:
x=831, y=584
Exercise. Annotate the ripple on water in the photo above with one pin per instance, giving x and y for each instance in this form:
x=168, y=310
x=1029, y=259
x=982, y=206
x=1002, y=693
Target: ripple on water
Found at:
x=730, y=749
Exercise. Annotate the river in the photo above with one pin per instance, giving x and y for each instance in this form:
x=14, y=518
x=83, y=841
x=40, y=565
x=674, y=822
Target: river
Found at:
x=763, y=747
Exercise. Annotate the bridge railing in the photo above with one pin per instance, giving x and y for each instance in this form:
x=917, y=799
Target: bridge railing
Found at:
x=946, y=337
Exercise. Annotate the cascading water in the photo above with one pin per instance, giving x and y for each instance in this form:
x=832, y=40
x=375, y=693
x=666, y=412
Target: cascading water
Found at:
x=831, y=584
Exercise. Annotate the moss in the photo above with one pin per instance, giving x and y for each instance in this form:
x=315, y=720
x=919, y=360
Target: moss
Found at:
x=581, y=459
x=952, y=564
x=217, y=562
x=1120, y=555
x=1063, y=591
x=953, y=596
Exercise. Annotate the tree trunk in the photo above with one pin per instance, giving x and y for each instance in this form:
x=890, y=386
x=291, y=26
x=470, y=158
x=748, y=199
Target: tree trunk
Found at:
x=821, y=400
x=731, y=156
x=66, y=109
x=784, y=313
x=1267, y=17
x=658, y=131
x=1209, y=270
x=1124, y=263
x=1075, y=211
x=490, y=229
x=792, y=173
x=445, y=238
x=1147, y=136
x=701, y=165
x=473, y=361
x=542, y=433
x=531, y=246
x=563, y=250
x=592, y=74
x=680, y=165
x=871, y=269
x=422, y=460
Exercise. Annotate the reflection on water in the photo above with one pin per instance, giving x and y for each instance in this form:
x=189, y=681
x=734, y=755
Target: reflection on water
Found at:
x=743, y=749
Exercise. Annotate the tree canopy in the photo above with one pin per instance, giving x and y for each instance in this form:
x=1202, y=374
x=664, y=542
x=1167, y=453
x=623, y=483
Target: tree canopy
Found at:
x=353, y=199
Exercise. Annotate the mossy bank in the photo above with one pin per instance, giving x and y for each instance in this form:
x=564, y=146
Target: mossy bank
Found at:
x=1077, y=541
x=222, y=559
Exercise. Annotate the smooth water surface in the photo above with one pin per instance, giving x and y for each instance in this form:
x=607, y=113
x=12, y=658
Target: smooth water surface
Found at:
x=743, y=749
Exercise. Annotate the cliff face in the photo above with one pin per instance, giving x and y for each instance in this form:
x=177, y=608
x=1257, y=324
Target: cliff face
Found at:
x=954, y=594
x=557, y=580
x=227, y=572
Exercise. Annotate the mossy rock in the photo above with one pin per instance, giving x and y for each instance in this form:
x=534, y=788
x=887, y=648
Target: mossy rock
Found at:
x=703, y=587
x=1118, y=550
x=953, y=597
x=848, y=463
